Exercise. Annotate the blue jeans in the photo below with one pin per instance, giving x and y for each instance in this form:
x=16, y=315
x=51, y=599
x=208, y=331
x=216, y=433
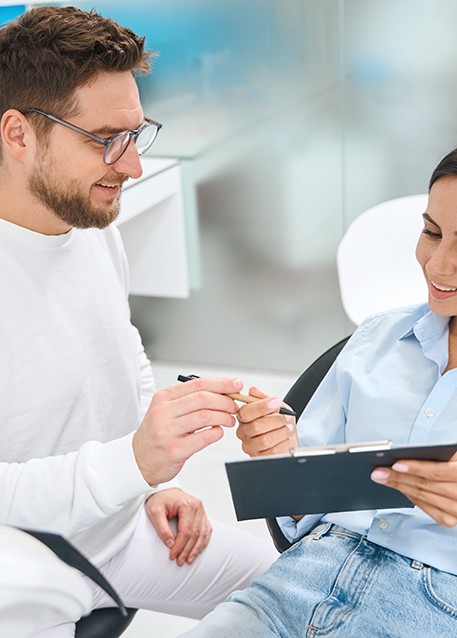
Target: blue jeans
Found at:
x=336, y=583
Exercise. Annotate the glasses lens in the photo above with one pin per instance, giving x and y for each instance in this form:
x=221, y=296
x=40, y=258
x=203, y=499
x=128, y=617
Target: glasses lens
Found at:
x=146, y=137
x=117, y=146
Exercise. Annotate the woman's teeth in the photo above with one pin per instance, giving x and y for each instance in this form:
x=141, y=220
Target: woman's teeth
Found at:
x=442, y=288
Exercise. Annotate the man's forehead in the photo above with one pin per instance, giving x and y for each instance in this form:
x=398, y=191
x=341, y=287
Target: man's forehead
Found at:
x=109, y=95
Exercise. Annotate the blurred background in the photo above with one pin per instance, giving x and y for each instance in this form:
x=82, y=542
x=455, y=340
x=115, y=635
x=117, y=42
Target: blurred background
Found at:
x=288, y=119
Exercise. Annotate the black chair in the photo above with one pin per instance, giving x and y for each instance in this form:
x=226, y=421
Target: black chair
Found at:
x=298, y=397
x=104, y=623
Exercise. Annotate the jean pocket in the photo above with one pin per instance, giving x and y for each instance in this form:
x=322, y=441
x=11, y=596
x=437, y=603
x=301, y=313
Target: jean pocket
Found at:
x=441, y=589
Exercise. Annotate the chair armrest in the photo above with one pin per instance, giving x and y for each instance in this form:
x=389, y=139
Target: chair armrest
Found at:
x=104, y=622
x=280, y=541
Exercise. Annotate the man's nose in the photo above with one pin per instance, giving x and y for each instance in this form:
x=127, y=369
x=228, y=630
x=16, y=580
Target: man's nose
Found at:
x=129, y=163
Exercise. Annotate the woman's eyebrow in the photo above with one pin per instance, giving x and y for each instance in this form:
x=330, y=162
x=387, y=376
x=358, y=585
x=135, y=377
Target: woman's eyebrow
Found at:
x=429, y=219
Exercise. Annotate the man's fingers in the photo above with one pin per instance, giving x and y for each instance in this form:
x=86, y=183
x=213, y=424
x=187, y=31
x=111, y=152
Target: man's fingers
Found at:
x=183, y=537
x=199, y=440
x=191, y=403
x=218, y=385
x=190, y=423
x=192, y=537
x=162, y=528
x=200, y=545
x=198, y=540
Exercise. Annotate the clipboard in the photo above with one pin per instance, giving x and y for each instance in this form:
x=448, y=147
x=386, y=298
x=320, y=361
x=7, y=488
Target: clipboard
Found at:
x=318, y=480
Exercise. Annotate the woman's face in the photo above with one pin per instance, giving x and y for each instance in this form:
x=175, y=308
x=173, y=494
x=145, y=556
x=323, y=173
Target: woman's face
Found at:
x=436, y=250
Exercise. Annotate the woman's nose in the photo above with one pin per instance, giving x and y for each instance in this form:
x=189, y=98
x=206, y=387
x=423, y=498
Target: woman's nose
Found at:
x=443, y=261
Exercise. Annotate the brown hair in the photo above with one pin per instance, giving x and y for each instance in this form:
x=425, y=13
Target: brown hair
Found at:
x=447, y=166
x=48, y=52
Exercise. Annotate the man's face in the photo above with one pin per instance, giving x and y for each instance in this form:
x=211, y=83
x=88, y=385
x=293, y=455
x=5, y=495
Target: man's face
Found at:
x=69, y=177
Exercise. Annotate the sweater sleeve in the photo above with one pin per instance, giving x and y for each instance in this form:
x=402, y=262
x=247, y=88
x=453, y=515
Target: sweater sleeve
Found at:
x=71, y=492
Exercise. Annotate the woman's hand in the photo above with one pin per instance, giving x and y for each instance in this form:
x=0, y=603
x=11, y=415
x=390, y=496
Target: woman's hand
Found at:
x=431, y=485
x=262, y=429
x=193, y=527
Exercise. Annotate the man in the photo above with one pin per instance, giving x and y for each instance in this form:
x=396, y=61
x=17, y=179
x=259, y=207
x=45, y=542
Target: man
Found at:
x=83, y=446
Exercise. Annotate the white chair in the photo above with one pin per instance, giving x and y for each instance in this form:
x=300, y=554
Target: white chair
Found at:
x=36, y=586
x=377, y=268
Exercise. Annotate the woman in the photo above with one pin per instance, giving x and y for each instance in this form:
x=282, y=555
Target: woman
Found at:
x=372, y=573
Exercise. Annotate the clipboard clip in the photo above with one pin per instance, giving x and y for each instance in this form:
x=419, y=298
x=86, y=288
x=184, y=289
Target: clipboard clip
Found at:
x=339, y=448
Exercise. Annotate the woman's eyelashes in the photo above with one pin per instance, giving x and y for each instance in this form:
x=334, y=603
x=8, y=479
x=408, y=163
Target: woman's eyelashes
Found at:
x=431, y=233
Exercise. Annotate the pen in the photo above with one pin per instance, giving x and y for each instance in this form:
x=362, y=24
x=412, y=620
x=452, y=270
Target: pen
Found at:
x=244, y=398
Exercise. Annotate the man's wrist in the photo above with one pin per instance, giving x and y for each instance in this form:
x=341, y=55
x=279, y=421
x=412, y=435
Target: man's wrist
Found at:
x=141, y=459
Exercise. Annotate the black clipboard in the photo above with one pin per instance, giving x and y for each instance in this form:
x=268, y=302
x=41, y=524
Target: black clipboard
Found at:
x=322, y=479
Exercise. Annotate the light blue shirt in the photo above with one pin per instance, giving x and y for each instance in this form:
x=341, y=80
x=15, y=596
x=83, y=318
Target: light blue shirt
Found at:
x=388, y=383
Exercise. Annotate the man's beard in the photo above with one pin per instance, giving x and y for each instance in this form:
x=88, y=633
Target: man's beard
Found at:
x=68, y=204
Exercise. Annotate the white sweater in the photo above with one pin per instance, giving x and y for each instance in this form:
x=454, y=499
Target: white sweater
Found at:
x=74, y=385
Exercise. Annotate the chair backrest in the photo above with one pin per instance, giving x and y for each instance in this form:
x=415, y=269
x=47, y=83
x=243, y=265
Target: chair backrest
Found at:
x=307, y=383
x=297, y=398
x=377, y=268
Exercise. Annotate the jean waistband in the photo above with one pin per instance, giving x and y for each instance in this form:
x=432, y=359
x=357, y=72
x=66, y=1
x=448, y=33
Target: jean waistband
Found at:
x=324, y=529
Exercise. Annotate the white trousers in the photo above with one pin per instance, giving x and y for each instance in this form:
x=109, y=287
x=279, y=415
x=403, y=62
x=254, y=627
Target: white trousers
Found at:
x=145, y=577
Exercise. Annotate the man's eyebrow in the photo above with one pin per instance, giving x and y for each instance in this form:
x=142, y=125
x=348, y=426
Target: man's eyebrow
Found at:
x=429, y=219
x=108, y=131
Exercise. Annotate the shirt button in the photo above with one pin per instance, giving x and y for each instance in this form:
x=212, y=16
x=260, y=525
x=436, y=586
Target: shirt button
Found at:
x=383, y=524
x=429, y=412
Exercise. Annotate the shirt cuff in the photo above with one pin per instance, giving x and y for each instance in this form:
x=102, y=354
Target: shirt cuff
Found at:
x=117, y=472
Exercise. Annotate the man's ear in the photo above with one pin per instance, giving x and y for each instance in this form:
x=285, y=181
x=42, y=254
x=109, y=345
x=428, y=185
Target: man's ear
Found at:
x=17, y=135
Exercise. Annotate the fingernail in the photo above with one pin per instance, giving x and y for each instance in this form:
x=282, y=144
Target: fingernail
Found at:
x=400, y=467
x=290, y=422
x=379, y=476
x=238, y=383
x=170, y=543
x=274, y=403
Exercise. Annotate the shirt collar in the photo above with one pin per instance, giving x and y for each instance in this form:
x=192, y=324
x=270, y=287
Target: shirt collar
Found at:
x=428, y=326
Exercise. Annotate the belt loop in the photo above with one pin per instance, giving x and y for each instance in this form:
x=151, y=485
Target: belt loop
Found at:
x=319, y=531
x=416, y=564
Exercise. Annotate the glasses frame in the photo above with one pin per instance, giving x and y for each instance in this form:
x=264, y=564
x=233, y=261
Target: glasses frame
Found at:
x=106, y=141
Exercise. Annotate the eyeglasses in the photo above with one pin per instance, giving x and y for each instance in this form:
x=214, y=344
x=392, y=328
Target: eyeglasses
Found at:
x=116, y=145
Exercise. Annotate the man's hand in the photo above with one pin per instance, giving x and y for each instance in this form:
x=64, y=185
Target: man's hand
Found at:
x=431, y=485
x=194, y=529
x=262, y=429
x=180, y=421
